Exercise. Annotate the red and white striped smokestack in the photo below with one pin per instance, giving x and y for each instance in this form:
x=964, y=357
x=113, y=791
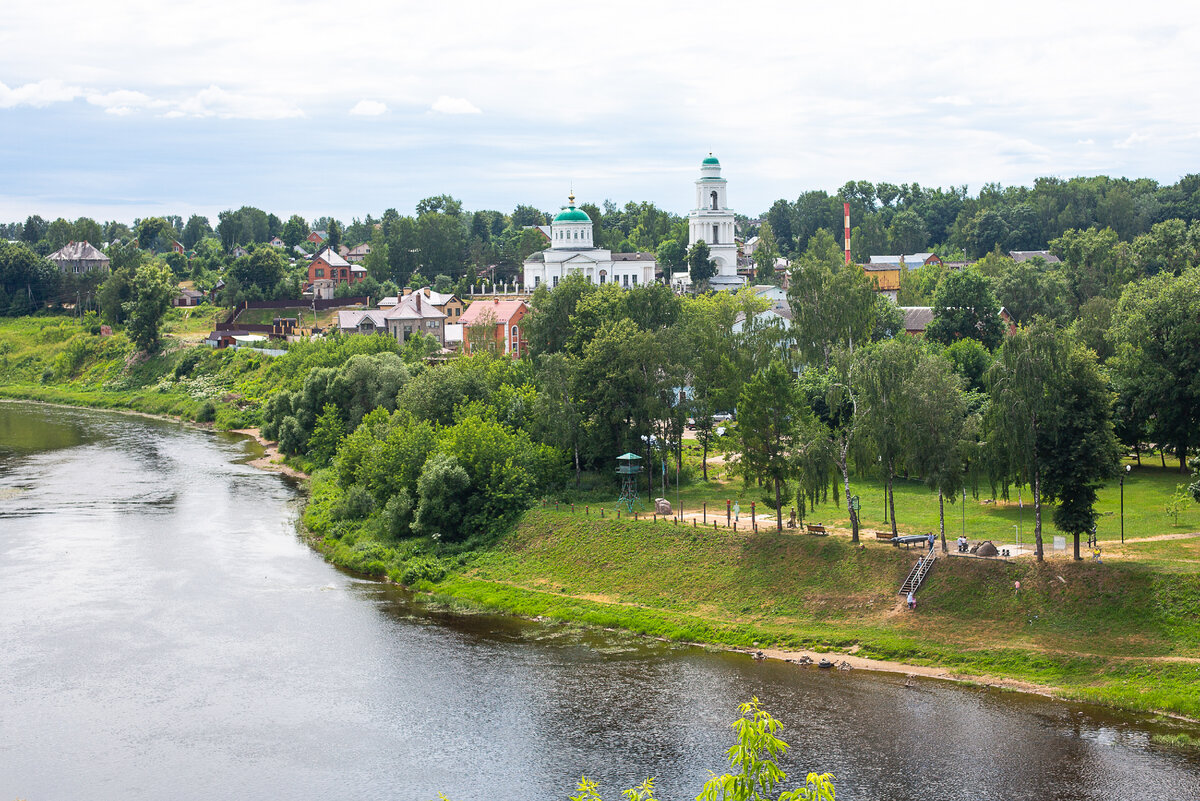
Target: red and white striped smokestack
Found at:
x=846, y=213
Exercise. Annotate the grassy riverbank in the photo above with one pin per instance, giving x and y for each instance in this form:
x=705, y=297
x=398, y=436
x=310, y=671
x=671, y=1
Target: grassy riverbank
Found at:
x=1124, y=633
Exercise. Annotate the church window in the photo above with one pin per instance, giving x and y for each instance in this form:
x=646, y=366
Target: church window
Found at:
x=603, y=277
x=537, y=281
x=715, y=239
x=714, y=200
x=624, y=280
x=635, y=280
x=555, y=279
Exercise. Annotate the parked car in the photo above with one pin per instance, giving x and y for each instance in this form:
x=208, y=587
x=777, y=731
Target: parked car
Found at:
x=723, y=417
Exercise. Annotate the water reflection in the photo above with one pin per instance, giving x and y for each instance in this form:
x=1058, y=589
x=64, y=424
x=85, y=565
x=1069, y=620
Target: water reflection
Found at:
x=166, y=635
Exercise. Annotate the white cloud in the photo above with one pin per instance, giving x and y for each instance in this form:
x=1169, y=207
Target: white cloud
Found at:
x=216, y=102
x=952, y=100
x=454, y=105
x=368, y=108
x=123, y=101
x=38, y=95
x=1130, y=141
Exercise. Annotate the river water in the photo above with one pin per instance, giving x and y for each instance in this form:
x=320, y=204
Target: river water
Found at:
x=164, y=634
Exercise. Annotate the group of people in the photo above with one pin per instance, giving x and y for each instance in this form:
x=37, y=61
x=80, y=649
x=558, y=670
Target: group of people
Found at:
x=962, y=543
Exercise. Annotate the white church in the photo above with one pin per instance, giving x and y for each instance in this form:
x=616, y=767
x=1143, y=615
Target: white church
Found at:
x=572, y=250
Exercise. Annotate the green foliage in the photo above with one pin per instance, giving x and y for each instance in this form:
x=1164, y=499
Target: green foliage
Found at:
x=153, y=289
x=1156, y=329
x=700, y=266
x=327, y=435
x=754, y=760
x=27, y=280
x=833, y=304
x=1180, y=501
x=263, y=268
x=755, y=771
x=965, y=306
x=770, y=416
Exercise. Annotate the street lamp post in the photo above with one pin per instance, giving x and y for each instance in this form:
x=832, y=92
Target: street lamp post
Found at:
x=885, y=503
x=1127, y=469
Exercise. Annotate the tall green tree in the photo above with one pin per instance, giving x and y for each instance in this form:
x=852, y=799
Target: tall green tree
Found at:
x=964, y=306
x=295, y=231
x=938, y=429
x=263, y=268
x=153, y=288
x=881, y=376
x=1156, y=330
x=1082, y=449
x=1023, y=407
x=701, y=266
x=833, y=303
x=671, y=256
x=1050, y=422
x=197, y=228
x=765, y=254
x=769, y=412
x=155, y=235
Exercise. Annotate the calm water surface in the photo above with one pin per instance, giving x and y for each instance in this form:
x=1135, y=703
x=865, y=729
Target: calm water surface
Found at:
x=165, y=635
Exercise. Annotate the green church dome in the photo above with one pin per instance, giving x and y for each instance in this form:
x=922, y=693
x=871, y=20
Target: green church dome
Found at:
x=710, y=161
x=572, y=214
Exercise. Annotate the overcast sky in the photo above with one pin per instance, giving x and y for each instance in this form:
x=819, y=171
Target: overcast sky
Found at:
x=125, y=109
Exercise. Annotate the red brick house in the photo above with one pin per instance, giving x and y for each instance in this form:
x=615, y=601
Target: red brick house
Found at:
x=318, y=237
x=328, y=269
x=503, y=318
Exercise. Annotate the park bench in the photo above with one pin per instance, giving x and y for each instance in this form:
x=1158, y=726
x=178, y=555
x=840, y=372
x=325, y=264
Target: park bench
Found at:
x=815, y=528
x=883, y=535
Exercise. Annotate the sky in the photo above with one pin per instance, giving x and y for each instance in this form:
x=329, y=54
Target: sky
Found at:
x=131, y=108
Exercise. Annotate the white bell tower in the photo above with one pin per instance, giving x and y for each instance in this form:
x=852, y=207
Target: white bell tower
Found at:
x=712, y=220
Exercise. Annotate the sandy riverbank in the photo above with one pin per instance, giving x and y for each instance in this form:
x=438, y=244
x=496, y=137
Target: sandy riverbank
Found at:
x=271, y=459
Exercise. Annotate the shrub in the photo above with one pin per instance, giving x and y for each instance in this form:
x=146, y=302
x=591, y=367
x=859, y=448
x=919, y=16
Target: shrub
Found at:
x=355, y=504
x=187, y=363
x=206, y=413
x=422, y=568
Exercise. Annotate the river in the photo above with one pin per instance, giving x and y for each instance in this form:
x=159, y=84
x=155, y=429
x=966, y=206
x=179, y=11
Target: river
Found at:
x=165, y=634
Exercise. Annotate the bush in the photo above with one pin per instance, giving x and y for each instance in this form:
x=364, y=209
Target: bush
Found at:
x=422, y=568
x=397, y=516
x=355, y=504
x=187, y=363
x=206, y=413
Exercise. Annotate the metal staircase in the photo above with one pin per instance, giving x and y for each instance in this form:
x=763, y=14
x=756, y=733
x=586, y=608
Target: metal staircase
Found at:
x=918, y=573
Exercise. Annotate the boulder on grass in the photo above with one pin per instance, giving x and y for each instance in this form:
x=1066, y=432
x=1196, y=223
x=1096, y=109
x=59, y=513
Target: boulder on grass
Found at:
x=985, y=548
x=662, y=506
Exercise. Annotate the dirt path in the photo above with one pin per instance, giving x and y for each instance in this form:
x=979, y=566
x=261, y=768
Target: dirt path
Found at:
x=1156, y=538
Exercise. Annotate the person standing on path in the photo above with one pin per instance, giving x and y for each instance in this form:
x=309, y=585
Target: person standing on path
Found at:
x=912, y=600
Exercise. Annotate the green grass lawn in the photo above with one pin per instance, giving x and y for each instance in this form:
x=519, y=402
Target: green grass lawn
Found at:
x=325, y=318
x=1148, y=488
